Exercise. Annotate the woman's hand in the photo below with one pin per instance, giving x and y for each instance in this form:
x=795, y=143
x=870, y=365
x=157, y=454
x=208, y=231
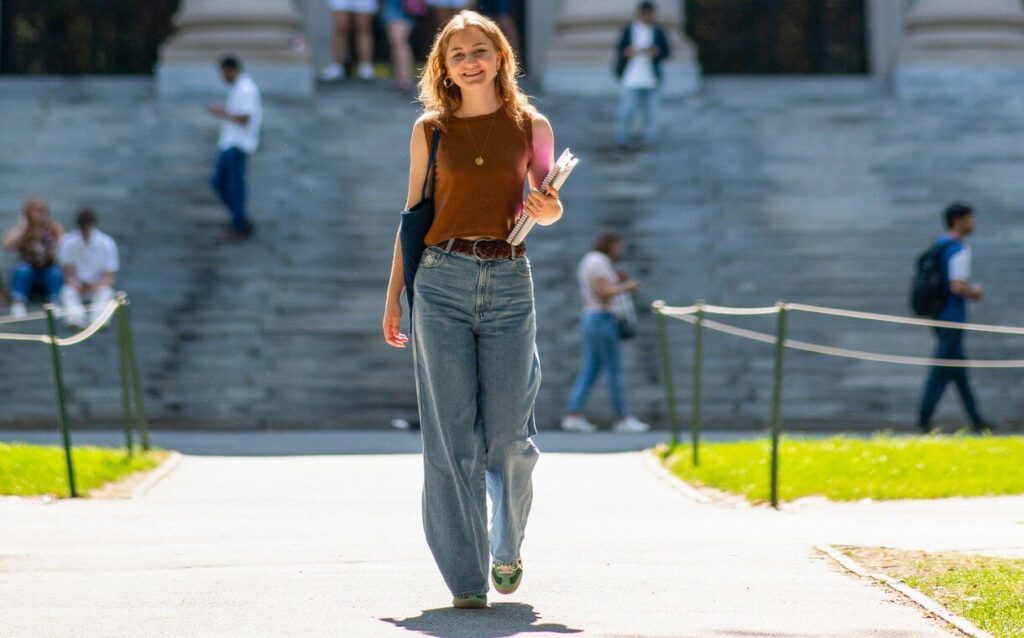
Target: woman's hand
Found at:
x=392, y=321
x=546, y=209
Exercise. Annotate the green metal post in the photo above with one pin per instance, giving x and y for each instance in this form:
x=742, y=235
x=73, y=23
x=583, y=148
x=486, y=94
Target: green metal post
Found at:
x=133, y=365
x=776, y=422
x=698, y=356
x=126, y=388
x=666, y=366
x=62, y=408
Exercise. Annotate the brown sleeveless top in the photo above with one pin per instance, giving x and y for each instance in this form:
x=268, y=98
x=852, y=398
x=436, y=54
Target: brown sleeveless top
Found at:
x=479, y=201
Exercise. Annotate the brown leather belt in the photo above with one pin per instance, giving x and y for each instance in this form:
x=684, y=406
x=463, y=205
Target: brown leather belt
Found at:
x=484, y=248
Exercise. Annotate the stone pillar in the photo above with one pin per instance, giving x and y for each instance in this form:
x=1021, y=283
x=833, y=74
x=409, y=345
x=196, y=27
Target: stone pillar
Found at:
x=264, y=34
x=962, y=50
x=581, y=58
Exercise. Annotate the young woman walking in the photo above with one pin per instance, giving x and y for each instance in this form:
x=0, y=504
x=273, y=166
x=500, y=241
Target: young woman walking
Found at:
x=474, y=324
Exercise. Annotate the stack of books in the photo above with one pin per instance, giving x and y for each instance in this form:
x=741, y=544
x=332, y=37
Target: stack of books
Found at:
x=555, y=178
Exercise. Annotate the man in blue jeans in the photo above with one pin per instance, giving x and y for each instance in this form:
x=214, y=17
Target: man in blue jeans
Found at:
x=239, y=138
x=956, y=257
x=642, y=48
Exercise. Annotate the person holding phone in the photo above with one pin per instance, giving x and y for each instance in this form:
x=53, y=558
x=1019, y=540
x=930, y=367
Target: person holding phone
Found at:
x=474, y=322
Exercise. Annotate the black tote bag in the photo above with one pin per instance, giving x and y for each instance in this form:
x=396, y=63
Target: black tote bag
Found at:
x=416, y=223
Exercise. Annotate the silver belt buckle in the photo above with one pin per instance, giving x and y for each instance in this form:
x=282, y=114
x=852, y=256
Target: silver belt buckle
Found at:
x=475, y=242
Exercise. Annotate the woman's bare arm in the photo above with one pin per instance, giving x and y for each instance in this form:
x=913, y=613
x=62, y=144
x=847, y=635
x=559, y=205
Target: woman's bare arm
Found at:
x=546, y=209
x=418, y=158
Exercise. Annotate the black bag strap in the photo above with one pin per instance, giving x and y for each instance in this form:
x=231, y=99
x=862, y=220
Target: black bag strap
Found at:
x=428, y=179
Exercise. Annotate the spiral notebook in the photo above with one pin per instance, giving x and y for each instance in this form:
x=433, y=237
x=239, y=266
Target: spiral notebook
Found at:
x=555, y=178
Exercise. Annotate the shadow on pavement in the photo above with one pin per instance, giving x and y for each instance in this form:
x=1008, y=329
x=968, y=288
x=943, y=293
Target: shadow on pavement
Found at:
x=498, y=621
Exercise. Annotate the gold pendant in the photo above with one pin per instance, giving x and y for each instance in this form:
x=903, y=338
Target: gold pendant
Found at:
x=479, y=161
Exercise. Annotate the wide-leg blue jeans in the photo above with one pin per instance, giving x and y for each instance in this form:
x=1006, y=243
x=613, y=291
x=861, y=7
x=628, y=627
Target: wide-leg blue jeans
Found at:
x=477, y=377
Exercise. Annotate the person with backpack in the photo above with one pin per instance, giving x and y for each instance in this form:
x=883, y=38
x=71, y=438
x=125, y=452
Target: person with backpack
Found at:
x=942, y=289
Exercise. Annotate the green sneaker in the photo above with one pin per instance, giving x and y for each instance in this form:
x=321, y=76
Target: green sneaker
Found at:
x=507, y=576
x=479, y=601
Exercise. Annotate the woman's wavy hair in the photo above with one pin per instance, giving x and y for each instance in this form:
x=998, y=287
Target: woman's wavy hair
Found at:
x=31, y=203
x=440, y=102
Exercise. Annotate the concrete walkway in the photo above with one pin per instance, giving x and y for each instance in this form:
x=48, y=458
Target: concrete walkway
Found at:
x=328, y=542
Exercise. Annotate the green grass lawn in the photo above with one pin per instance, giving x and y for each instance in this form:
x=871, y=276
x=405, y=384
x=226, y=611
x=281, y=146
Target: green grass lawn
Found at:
x=987, y=591
x=35, y=470
x=847, y=468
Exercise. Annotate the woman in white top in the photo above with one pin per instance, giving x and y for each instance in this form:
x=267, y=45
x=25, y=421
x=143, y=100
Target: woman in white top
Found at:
x=601, y=288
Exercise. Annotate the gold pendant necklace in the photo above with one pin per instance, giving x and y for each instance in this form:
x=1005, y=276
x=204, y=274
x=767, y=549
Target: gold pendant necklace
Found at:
x=480, y=153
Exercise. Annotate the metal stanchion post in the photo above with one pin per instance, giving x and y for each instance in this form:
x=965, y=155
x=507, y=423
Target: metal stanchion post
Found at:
x=698, y=348
x=58, y=377
x=133, y=366
x=666, y=363
x=776, y=418
x=126, y=397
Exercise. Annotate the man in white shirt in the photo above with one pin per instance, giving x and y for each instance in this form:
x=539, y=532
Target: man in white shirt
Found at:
x=239, y=138
x=601, y=289
x=90, y=262
x=642, y=48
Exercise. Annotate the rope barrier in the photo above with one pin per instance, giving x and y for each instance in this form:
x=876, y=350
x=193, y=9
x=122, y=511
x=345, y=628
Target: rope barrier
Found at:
x=874, y=316
x=36, y=316
x=853, y=354
x=98, y=323
x=749, y=312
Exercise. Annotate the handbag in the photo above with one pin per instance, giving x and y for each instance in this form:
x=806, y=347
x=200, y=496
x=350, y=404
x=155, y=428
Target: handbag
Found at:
x=625, y=318
x=416, y=222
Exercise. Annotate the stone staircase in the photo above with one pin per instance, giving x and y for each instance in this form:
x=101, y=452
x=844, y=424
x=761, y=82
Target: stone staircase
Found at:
x=820, y=191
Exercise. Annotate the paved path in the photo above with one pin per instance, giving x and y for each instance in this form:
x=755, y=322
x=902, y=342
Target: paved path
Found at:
x=329, y=544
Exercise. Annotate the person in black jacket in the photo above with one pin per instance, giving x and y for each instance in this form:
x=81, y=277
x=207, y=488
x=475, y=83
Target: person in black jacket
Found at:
x=642, y=48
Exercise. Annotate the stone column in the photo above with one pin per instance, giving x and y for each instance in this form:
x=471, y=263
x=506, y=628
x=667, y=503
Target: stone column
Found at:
x=264, y=34
x=581, y=58
x=962, y=50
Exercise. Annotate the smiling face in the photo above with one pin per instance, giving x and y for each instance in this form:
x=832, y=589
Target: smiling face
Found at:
x=472, y=61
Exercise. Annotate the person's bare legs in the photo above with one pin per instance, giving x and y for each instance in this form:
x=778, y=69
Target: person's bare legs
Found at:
x=508, y=25
x=401, y=53
x=342, y=28
x=364, y=44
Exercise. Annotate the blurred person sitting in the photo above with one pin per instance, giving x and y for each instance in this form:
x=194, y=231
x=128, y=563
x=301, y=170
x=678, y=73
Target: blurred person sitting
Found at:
x=501, y=12
x=349, y=13
x=90, y=261
x=34, y=238
x=445, y=10
x=398, y=22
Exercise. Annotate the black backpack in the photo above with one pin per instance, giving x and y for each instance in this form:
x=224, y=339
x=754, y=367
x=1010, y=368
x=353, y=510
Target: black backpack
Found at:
x=930, y=289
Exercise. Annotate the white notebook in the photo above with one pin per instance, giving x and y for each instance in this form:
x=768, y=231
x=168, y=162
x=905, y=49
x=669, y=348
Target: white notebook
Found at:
x=555, y=177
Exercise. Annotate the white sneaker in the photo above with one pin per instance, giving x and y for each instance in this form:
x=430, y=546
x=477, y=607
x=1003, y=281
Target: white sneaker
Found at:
x=366, y=72
x=18, y=309
x=573, y=423
x=332, y=72
x=630, y=424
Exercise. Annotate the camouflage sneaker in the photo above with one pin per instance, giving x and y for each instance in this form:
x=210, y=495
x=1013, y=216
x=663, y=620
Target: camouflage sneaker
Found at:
x=478, y=601
x=507, y=576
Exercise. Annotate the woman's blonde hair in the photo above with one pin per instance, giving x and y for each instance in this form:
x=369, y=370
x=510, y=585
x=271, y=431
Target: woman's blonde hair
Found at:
x=440, y=102
x=32, y=202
